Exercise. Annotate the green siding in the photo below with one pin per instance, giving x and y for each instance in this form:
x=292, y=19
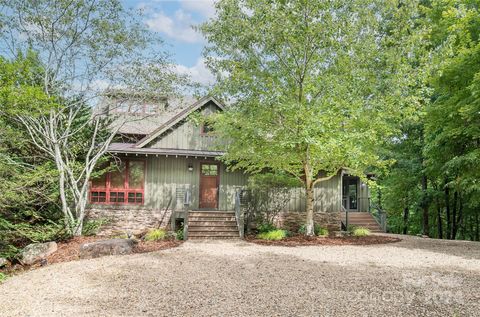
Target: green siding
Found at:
x=187, y=135
x=167, y=174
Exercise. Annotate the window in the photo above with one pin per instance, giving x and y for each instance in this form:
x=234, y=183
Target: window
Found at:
x=209, y=169
x=206, y=128
x=123, y=185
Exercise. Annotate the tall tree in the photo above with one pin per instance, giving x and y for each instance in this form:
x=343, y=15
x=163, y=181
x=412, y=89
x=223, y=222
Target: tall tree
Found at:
x=316, y=85
x=82, y=46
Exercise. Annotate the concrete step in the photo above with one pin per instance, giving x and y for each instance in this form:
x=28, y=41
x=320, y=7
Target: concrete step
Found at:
x=216, y=223
x=212, y=238
x=209, y=229
x=211, y=214
x=216, y=234
x=212, y=219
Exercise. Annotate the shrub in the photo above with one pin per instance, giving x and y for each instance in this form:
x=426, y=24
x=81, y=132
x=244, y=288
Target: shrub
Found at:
x=351, y=228
x=317, y=229
x=277, y=234
x=266, y=227
x=92, y=227
x=361, y=232
x=322, y=232
x=179, y=234
x=3, y=277
x=155, y=235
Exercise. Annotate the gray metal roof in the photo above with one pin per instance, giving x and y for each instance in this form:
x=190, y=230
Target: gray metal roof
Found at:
x=145, y=124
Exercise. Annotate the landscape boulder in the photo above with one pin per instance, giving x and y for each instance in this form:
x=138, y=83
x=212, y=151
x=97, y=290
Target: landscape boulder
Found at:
x=3, y=262
x=106, y=247
x=36, y=252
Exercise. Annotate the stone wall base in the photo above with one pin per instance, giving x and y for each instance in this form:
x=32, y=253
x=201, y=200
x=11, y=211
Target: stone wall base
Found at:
x=130, y=221
x=293, y=220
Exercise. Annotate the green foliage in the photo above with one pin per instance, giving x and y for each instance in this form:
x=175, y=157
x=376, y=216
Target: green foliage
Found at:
x=92, y=227
x=3, y=277
x=361, y=232
x=179, y=234
x=269, y=194
x=285, y=64
x=155, y=235
x=318, y=230
x=266, y=227
x=277, y=234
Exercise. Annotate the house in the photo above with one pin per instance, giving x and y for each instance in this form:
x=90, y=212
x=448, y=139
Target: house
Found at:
x=170, y=172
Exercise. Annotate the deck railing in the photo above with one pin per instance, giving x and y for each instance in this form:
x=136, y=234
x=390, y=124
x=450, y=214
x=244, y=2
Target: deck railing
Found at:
x=186, y=204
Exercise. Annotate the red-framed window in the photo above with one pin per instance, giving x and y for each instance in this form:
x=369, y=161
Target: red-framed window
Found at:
x=123, y=185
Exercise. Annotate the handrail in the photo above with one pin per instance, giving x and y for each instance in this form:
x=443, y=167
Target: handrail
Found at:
x=346, y=217
x=379, y=215
x=239, y=216
x=186, y=204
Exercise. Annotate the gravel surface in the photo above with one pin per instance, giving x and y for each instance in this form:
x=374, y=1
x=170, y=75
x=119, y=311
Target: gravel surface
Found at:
x=414, y=277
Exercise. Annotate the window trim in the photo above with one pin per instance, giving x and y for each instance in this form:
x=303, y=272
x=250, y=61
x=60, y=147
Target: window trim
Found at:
x=125, y=190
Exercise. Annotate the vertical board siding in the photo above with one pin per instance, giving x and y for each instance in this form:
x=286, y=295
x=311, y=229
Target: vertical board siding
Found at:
x=187, y=135
x=166, y=174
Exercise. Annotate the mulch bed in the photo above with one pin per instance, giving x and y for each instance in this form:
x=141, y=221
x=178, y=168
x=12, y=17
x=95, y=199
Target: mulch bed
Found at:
x=300, y=240
x=69, y=250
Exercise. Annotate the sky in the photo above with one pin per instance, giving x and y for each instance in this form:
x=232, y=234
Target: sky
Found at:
x=173, y=20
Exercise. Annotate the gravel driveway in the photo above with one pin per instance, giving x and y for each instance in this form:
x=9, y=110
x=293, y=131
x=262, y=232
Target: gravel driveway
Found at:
x=415, y=277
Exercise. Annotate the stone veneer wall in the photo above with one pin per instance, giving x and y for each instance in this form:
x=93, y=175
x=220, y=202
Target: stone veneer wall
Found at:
x=293, y=220
x=132, y=221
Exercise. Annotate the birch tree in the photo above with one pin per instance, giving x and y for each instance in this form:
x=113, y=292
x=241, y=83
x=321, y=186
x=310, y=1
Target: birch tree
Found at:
x=316, y=86
x=84, y=47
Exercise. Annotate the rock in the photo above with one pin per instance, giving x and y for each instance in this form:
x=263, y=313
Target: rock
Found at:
x=35, y=252
x=3, y=262
x=106, y=247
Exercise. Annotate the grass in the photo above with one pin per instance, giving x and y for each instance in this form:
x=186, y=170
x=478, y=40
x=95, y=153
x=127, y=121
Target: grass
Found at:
x=276, y=234
x=361, y=232
x=3, y=277
x=155, y=235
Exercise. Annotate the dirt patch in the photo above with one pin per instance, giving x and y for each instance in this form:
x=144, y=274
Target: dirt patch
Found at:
x=301, y=240
x=150, y=246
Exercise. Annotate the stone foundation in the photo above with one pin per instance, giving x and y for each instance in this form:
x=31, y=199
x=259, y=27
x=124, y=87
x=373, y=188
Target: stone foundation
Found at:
x=130, y=221
x=293, y=220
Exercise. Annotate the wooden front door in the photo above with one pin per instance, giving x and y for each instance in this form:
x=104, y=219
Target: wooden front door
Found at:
x=209, y=181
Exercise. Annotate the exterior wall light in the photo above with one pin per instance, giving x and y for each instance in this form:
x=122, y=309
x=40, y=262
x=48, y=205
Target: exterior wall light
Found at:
x=190, y=167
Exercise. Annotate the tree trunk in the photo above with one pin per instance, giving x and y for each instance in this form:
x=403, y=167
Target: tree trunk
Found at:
x=439, y=224
x=309, y=206
x=447, y=210
x=425, y=206
x=459, y=218
x=477, y=229
x=405, y=220
x=453, y=235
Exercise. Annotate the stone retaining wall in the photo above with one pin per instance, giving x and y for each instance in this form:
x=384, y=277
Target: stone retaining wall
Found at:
x=131, y=221
x=293, y=220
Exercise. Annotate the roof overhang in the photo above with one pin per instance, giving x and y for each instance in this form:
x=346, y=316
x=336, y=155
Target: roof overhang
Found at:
x=128, y=149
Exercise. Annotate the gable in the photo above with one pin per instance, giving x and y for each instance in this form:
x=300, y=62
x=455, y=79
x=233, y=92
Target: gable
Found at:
x=181, y=133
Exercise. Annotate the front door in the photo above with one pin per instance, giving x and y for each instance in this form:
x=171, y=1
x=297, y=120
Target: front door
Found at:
x=209, y=181
x=350, y=193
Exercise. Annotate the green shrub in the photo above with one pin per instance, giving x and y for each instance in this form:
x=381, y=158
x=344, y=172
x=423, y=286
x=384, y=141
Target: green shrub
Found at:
x=155, y=235
x=322, y=232
x=3, y=277
x=277, y=234
x=351, y=228
x=179, y=234
x=361, y=232
x=266, y=227
x=92, y=227
x=317, y=229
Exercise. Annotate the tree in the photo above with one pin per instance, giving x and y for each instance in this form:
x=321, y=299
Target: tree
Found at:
x=82, y=46
x=316, y=86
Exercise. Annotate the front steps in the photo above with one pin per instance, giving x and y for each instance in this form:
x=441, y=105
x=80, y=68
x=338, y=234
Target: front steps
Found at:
x=212, y=225
x=362, y=219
